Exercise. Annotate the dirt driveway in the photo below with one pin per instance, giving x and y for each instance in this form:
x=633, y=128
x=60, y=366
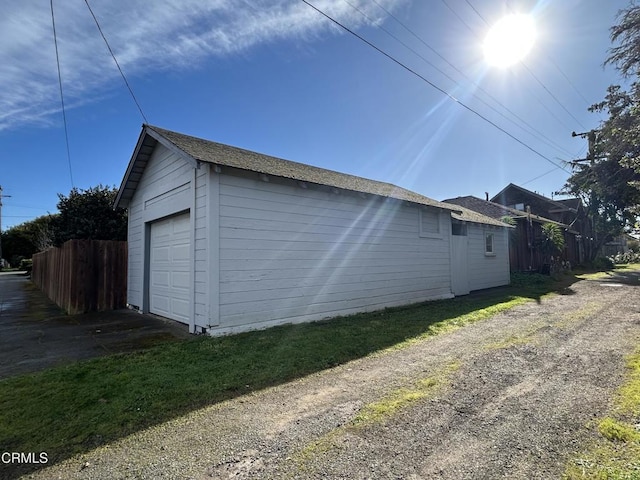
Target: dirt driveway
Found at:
x=35, y=334
x=508, y=397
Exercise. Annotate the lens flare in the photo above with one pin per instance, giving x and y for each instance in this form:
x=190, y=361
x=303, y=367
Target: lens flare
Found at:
x=510, y=40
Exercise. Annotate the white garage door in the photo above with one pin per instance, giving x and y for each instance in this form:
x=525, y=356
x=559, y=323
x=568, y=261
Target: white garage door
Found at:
x=169, y=268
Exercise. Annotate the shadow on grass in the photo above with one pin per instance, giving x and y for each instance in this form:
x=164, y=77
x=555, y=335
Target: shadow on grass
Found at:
x=624, y=277
x=75, y=408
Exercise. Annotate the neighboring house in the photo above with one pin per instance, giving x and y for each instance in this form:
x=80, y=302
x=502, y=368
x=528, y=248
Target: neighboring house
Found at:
x=570, y=212
x=226, y=240
x=617, y=246
x=524, y=253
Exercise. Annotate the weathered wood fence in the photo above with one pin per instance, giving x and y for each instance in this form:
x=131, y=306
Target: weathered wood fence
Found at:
x=83, y=275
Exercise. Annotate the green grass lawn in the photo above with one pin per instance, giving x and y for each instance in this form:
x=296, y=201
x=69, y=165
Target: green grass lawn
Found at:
x=615, y=454
x=71, y=409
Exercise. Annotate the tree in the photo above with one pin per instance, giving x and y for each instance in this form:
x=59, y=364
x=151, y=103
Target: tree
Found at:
x=552, y=240
x=23, y=240
x=608, y=180
x=626, y=56
x=89, y=214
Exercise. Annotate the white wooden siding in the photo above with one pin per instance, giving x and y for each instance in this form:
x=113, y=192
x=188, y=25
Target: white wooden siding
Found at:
x=163, y=190
x=201, y=257
x=486, y=271
x=290, y=254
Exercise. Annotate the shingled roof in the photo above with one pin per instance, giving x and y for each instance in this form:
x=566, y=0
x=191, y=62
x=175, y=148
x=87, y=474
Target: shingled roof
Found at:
x=199, y=150
x=495, y=210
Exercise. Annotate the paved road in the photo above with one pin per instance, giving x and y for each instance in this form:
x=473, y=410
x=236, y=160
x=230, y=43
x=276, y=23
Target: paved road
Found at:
x=513, y=397
x=35, y=334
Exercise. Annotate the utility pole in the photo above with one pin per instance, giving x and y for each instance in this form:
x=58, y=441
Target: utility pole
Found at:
x=1, y=197
x=591, y=136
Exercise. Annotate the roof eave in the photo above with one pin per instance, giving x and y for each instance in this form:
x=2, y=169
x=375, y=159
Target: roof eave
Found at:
x=147, y=142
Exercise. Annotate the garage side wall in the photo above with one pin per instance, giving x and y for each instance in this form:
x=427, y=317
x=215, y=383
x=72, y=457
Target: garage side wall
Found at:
x=488, y=270
x=293, y=253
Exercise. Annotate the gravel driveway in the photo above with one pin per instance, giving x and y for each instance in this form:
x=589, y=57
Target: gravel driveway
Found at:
x=508, y=397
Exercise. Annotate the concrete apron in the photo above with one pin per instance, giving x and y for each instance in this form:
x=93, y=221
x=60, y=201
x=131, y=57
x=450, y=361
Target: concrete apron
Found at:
x=35, y=334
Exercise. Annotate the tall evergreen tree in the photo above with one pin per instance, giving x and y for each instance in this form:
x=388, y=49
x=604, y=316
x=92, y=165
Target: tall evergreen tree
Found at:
x=608, y=181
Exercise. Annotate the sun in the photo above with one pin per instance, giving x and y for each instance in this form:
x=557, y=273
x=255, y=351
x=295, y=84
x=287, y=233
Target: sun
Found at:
x=509, y=40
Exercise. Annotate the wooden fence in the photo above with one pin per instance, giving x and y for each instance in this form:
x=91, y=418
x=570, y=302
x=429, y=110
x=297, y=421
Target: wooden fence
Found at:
x=83, y=275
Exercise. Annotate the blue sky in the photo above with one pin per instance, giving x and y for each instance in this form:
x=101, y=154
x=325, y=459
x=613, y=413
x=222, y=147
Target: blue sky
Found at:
x=274, y=76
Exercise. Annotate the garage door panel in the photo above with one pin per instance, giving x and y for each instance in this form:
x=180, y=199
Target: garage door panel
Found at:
x=180, y=308
x=160, y=279
x=160, y=304
x=160, y=254
x=180, y=253
x=169, y=293
x=180, y=280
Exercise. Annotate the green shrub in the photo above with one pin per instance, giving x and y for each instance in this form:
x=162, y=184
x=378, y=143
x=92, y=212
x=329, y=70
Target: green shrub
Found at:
x=628, y=257
x=602, y=263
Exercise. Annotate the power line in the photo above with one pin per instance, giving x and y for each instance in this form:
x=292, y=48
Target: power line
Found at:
x=532, y=74
x=24, y=206
x=569, y=81
x=553, y=96
x=539, y=176
x=531, y=128
x=433, y=85
x=580, y=152
x=480, y=40
x=116, y=62
x=475, y=10
x=566, y=77
x=64, y=115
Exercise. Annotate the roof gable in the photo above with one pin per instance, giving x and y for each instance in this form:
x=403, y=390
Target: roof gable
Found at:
x=198, y=150
x=557, y=205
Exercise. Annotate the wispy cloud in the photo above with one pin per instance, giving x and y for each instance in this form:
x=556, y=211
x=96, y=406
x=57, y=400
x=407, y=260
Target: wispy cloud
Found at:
x=146, y=37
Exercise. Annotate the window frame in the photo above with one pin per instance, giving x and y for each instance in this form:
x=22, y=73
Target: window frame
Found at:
x=491, y=251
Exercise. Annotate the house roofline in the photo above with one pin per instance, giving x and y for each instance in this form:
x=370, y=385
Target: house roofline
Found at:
x=558, y=205
x=197, y=150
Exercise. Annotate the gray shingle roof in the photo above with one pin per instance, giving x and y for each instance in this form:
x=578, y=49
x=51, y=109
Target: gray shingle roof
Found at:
x=490, y=209
x=495, y=210
x=206, y=151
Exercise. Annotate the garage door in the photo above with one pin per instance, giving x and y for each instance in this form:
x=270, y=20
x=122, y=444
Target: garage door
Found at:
x=169, y=268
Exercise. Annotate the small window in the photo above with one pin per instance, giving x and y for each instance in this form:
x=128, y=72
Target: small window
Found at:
x=429, y=223
x=488, y=244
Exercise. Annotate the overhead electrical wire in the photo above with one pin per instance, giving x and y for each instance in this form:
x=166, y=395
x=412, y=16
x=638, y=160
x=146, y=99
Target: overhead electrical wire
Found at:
x=538, y=177
x=541, y=136
x=116, y=62
x=566, y=77
x=551, y=112
x=535, y=77
x=549, y=92
x=475, y=10
x=64, y=114
x=433, y=85
x=569, y=81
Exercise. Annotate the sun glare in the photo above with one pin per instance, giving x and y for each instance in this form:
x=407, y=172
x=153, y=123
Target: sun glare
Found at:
x=510, y=40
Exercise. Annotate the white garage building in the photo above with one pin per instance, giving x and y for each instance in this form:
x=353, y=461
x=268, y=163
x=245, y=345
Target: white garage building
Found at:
x=226, y=240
